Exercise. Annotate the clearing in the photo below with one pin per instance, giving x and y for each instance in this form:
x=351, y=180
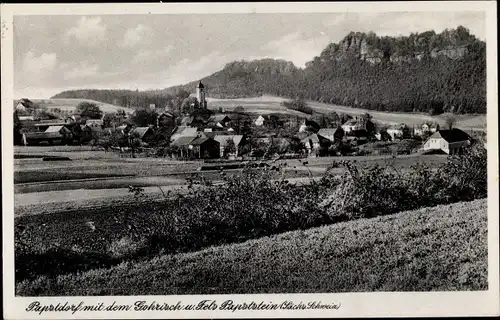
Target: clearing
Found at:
x=443, y=248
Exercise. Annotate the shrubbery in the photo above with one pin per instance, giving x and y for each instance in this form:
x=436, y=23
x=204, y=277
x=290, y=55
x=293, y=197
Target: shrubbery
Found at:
x=252, y=204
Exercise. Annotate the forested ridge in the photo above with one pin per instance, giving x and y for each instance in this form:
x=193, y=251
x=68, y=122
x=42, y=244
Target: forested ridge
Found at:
x=426, y=72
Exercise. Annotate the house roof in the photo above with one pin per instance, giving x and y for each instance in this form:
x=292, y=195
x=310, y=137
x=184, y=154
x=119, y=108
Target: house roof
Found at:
x=54, y=129
x=453, y=135
x=185, y=131
x=218, y=118
x=350, y=122
x=201, y=140
x=183, y=141
x=313, y=137
x=186, y=120
x=141, y=131
x=25, y=118
x=327, y=131
x=90, y=121
x=223, y=139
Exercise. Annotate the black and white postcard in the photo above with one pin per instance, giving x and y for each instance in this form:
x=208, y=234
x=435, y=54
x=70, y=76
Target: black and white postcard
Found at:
x=230, y=160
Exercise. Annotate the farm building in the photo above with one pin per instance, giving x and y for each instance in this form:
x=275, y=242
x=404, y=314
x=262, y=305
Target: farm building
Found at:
x=448, y=141
x=53, y=134
x=223, y=141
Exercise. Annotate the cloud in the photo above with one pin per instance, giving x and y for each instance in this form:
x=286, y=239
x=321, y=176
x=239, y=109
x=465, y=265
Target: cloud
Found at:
x=89, y=31
x=147, y=55
x=84, y=70
x=296, y=47
x=136, y=35
x=39, y=65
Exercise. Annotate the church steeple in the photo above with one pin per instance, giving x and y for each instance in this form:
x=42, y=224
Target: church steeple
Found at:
x=200, y=95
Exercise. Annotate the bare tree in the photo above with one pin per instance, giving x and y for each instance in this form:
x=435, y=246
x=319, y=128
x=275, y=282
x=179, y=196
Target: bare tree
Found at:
x=450, y=120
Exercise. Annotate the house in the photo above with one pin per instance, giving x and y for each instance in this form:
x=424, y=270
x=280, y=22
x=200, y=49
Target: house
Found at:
x=146, y=134
x=358, y=123
x=95, y=125
x=223, y=141
x=309, y=126
x=350, y=125
x=219, y=120
x=333, y=135
x=399, y=131
x=165, y=119
x=261, y=120
x=315, y=143
x=358, y=137
x=204, y=148
x=22, y=104
x=53, y=134
x=448, y=141
x=425, y=128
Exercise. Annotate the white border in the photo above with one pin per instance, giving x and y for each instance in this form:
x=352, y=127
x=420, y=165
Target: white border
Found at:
x=353, y=304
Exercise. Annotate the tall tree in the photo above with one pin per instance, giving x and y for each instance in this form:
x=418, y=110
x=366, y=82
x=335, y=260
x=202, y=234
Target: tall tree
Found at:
x=89, y=110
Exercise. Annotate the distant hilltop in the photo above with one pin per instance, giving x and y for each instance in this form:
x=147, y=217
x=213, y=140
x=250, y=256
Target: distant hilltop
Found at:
x=423, y=72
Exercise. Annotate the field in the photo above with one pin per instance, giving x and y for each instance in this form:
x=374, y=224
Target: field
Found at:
x=91, y=178
x=441, y=249
x=70, y=104
x=271, y=104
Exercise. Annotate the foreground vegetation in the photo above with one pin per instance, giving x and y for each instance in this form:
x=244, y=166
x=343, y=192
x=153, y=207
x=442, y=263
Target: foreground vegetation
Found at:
x=441, y=248
x=249, y=205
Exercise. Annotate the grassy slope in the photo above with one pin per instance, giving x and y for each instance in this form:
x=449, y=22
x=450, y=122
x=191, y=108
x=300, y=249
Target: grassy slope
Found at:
x=441, y=248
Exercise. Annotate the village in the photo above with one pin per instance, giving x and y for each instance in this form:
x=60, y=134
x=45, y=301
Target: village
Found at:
x=204, y=134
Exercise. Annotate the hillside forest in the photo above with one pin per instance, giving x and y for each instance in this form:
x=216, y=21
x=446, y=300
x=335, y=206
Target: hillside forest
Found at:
x=423, y=72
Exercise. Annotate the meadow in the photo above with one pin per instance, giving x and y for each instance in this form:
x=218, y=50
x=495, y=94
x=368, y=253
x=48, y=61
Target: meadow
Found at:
x=432, y=249
x=272, y=104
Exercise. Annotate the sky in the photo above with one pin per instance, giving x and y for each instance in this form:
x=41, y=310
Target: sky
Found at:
x=56, y=53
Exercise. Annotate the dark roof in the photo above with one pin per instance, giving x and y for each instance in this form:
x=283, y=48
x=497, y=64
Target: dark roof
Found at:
x=453, y=135
x=167, y=114
x=200, y=85
x=141, y=131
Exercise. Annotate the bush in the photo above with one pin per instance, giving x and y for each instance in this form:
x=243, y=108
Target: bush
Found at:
x=252, y=204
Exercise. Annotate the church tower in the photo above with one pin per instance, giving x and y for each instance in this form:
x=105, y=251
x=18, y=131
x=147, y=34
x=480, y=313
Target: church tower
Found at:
x=200, y=95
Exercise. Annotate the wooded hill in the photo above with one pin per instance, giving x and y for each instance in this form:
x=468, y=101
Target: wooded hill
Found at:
x=424, y=72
